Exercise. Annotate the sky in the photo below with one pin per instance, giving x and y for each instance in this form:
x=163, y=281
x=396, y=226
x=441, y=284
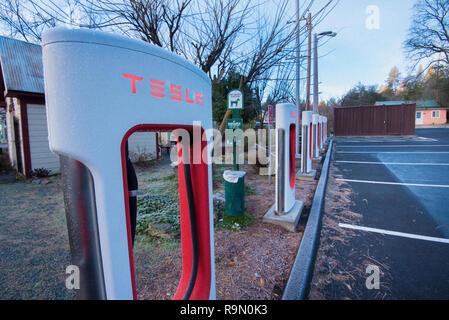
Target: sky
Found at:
x=360, y=53
x=369, y=42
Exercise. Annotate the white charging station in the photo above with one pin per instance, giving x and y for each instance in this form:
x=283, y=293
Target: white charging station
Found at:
x=325, y=130
x=315, y=138
x=320, y=133
x=306, y=142
x=287, y=210
x=100, y=88
x=306, y=172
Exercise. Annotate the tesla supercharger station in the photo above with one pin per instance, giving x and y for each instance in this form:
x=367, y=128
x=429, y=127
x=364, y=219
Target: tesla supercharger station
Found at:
x=320, y=132
x=306, y=142
x=100, y=88
x=325, y=130
x=315, y=141
x=286, y=210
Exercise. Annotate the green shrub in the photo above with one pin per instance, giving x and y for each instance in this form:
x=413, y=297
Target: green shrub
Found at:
x=226, y=222
x=40, y=173
x=157, y=209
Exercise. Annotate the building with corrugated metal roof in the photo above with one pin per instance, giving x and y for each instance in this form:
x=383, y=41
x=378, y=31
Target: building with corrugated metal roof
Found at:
x=22, y=87
x=22, y=104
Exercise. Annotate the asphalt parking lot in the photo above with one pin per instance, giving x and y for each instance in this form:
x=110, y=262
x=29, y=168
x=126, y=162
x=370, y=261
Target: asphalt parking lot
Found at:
x=399, y=193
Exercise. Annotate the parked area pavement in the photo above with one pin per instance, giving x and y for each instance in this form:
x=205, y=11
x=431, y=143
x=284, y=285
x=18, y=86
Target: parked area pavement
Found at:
x=385, y=225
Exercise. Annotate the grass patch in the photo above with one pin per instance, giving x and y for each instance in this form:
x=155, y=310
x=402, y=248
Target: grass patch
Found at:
x=167, y=245
x=249, y=190
x=226, y=222
x=218, y=174
x=164, y=178
x=160, y=209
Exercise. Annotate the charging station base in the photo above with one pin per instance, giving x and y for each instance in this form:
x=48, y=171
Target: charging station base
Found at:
x=264, y=171
x=298, y=161
x=289, y=220
x=317, y=159
x=309, y=176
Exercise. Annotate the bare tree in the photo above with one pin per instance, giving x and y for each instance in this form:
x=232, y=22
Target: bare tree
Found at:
x=216, y=31
x=27, y=19
x=216, y=35
x=23, y=21
x=157, y=22
x=270, y=46
x=264, y=50
x=201, y=31
x=428, y=36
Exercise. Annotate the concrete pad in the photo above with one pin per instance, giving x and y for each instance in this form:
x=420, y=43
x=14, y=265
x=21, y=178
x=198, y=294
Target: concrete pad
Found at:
x=265, y=171
x=318, y=159
x=289, y=220
x=309, y=176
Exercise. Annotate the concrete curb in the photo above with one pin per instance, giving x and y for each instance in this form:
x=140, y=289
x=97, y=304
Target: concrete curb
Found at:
x=299, y=280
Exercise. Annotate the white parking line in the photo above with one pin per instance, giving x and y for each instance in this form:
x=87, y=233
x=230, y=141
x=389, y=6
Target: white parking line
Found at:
x=396, y=163
x=396, y=183
x=417, y=152
x=373, y=140
x=395, y=146
x=394, y=233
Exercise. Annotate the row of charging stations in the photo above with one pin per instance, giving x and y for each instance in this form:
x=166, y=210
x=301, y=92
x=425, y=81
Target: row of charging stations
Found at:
x=307, y=152
x=313, y=138
x=318, y=134
x=322, y=132
x=100, y=88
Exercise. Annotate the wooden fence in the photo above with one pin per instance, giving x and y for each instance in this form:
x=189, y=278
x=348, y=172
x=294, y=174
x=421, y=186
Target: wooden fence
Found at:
x=375, y=120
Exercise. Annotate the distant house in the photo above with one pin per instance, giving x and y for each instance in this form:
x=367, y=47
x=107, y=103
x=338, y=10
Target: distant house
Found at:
x=428, y=112
x=23, y=100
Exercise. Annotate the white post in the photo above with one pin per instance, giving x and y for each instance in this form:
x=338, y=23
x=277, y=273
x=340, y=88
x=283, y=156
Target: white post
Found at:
x=325, y=129
x=269, y=155
x=298, y=99
x=306, y=141
x=315, y=147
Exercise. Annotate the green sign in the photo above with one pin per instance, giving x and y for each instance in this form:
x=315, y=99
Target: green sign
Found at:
x=235, y=99
x=234, y=124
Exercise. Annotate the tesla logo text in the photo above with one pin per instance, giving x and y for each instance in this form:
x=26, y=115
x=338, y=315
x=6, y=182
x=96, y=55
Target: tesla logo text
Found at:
x=158, y=89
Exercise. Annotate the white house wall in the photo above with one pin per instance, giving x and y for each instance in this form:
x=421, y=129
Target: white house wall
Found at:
x=142, y=146
x=41, y=156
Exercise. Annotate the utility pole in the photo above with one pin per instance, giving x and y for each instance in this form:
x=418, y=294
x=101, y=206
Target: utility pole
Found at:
x=315, y=74
x=298, y=99
x=309, y=56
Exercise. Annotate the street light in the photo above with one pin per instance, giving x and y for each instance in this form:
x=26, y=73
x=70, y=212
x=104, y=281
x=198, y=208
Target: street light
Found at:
x=327, y=33
x=315, y=74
